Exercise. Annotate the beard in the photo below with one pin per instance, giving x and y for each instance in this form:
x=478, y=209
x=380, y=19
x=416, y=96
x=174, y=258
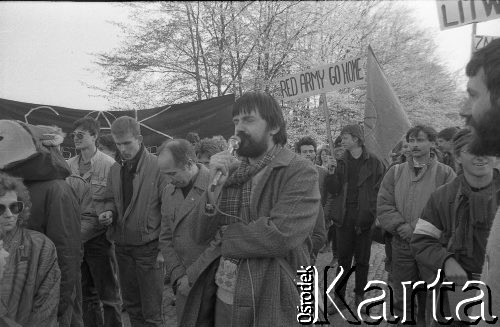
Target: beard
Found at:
x=486, y=133
x=249, y=147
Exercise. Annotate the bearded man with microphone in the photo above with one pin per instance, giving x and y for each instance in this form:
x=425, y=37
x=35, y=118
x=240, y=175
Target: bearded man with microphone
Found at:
x=258, y=220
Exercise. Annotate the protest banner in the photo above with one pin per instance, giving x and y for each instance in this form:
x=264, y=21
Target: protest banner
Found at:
x=480, y=41
x=461, y=12
x=323, y=79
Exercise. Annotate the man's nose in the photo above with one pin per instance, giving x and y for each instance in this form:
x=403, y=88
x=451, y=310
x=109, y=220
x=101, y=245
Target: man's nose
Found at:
x=238, y=128
x=466, y=110
x=8, y=213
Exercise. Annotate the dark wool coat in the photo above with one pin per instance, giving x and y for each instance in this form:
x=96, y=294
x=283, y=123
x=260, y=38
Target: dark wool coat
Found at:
x=430, y=243
x=284, y=209
x=370, y=177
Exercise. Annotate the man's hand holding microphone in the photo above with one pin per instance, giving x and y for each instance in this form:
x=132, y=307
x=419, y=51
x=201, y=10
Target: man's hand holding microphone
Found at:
x=219, y=169
x=220, y=162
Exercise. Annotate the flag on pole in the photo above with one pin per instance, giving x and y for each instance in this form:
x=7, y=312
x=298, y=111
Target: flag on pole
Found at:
x=385, y=120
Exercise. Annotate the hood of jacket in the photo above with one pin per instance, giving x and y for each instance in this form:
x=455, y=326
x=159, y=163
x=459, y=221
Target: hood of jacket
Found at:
x=25, y=155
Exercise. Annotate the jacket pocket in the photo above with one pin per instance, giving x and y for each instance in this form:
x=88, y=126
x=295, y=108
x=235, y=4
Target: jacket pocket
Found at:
x=151, y=217
x=98, y=188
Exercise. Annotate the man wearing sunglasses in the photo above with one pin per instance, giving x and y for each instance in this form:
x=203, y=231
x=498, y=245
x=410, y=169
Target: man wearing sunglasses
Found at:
x=99, y=281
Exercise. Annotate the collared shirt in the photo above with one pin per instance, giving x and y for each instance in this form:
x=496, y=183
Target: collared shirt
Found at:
x=85, y=166
x=186, y=189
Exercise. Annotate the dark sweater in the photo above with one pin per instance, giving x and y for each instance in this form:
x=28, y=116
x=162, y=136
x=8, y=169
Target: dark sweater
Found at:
x=128, y=170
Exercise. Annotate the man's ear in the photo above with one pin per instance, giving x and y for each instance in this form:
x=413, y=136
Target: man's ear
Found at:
x=274, y=130
x=140, y=138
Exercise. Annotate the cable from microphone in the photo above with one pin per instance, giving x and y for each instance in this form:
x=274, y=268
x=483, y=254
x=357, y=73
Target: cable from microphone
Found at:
x=233, y=145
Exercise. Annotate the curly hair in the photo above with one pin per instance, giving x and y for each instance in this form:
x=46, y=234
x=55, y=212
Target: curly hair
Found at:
x=209, y=147
x=9, y=183
x=306, y=140
x=320, y=151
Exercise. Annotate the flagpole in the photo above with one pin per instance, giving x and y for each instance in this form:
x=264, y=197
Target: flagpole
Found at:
x=322, y=102
x=474, y=27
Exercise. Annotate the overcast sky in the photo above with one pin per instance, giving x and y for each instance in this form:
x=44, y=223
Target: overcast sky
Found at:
x=46, y=47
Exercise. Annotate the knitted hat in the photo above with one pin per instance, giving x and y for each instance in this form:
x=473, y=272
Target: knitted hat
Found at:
x=461, y=139
x=355, y=131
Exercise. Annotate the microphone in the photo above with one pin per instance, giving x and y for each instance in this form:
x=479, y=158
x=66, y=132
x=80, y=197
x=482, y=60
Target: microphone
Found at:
x=233, y=145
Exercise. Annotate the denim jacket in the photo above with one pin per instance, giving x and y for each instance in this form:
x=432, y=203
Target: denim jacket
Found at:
x=96, y=178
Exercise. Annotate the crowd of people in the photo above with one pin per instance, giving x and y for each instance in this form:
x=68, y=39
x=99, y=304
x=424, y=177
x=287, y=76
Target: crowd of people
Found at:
x=83, y=239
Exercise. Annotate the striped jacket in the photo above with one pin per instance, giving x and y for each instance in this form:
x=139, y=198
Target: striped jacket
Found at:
x=29, y=289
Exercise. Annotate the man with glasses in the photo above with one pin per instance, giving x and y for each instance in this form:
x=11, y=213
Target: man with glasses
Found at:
x=99, y=281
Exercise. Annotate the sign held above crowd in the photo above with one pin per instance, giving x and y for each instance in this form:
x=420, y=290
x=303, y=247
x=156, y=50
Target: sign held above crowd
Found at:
x=480, y=41
x=462, y=12
x=323, y=79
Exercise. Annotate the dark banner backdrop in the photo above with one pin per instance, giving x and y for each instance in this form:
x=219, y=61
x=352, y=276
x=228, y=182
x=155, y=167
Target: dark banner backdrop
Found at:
x=207, y=118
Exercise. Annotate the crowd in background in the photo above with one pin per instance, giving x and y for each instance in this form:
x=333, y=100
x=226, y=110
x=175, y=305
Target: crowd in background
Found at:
x=84, y=239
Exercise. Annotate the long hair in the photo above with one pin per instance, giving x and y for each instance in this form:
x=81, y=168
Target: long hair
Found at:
x=267, y=107
x=487, y=58
x=322, y=149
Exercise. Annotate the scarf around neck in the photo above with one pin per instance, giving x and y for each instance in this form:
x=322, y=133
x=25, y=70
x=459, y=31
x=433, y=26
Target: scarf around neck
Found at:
x=235, y=198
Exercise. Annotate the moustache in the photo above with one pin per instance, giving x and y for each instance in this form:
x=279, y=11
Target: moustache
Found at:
x=243, y=136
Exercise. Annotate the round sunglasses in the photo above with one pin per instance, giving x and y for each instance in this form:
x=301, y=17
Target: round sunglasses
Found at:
x=79, y=135
x=14, y=207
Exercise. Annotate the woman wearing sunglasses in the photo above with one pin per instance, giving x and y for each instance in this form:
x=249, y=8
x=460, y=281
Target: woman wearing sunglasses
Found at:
x=30, y=275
